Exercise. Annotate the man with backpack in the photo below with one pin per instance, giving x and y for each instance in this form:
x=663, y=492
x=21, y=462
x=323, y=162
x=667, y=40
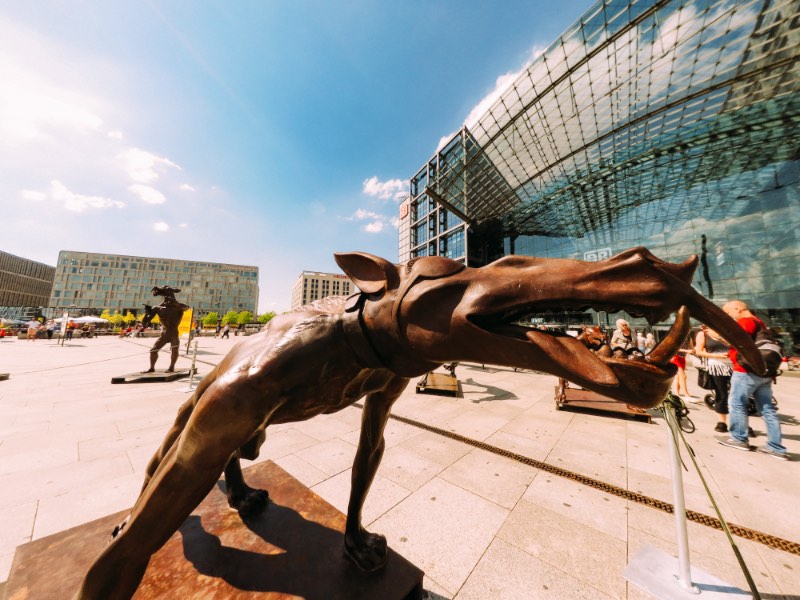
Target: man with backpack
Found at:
x=745, y=383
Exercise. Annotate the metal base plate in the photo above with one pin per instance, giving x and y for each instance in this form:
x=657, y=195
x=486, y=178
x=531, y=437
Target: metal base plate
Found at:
x=656, y=572
x=155, y=377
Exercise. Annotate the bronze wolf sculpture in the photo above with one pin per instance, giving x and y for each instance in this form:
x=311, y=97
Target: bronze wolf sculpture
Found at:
x=406, y=321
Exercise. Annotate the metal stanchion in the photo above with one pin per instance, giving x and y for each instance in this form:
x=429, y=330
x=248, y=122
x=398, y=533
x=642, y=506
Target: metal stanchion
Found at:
x=193, y=370
x=661, y=574
x=684, y=567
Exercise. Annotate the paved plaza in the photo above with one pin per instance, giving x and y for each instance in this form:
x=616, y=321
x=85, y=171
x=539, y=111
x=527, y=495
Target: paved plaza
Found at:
x=73, y=448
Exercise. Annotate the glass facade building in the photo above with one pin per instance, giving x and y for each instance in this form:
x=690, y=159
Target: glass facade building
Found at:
x=669, y=124
x=95, y=282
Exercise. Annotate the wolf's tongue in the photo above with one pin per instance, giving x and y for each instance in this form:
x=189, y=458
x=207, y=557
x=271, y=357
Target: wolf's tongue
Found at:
x=572, y=356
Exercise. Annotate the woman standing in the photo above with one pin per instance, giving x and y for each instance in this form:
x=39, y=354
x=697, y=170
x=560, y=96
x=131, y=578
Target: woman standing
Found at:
x=679, y=360
x=711, y=346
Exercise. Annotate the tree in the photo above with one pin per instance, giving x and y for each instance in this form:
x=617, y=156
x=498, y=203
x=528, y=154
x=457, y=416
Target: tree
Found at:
x=211, y=320
x=230, y=318
x=266, y=318
x=117, y=319
x=245, y=317
x=129, y=318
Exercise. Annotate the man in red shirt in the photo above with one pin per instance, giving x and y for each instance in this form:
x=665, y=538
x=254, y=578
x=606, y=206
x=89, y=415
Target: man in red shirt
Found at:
x=745, y=384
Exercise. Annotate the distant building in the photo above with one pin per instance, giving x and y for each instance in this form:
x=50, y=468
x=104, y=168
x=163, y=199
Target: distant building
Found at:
x=121, y=283
x=25, y=285
x=312, y=286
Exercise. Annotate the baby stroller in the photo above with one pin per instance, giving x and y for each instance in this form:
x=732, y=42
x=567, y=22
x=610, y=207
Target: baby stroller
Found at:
x=704, y=381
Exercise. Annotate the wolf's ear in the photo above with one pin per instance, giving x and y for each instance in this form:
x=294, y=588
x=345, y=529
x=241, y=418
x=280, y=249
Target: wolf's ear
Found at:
x=371, y=274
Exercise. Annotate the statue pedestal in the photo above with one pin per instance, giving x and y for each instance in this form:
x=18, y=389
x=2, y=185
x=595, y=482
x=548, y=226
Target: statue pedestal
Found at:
x=579, y=399
x=293, y=549
x=439, y=384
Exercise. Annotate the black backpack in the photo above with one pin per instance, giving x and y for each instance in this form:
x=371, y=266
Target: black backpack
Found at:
x=768, y=342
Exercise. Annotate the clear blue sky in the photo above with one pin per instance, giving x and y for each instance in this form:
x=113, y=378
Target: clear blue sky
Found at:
x=263, y=133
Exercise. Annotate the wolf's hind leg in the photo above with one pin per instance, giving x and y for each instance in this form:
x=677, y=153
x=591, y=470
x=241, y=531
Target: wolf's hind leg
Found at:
x=248, y=501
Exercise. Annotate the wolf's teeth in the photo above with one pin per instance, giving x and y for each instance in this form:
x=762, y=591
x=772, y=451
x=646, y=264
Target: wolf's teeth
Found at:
x=668, y=346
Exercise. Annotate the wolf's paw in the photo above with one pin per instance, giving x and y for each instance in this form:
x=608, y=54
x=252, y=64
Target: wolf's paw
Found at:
x=250, y=502
x=368, y=551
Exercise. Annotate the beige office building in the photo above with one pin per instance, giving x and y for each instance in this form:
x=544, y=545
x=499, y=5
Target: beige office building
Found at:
x=312, y=286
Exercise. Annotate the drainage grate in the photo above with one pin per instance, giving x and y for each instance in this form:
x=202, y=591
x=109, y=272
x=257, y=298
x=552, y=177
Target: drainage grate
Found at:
x=766, y=539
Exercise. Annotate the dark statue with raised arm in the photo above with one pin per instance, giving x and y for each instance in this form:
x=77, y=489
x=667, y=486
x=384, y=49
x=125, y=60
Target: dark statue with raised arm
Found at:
x=170, y=312
x=407, y=320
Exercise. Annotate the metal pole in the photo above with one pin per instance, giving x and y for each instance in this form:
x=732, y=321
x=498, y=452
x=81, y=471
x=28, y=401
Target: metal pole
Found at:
x=194, y=362
x=684, y=566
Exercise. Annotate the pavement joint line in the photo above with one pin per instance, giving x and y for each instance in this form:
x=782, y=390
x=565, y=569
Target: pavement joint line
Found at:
x=766, y=539
x=47, y=370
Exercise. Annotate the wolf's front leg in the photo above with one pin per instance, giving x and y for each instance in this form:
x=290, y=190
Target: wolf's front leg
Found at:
x=368, y=550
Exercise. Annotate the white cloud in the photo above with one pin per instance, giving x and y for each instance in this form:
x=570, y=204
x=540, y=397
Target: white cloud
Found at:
x=59, y=193
x=147, y=194
x=185, y=187
x=183, y=225
x=33, y=195
x=377, y=222
x=395, y=189
x=31, y=107
x=362, y=214
x=143, y=166
x=115, y=134
x=160, y=226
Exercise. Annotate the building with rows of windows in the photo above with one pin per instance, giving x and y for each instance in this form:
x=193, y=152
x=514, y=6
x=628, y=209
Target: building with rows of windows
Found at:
x=25, y=286
x=94, y=282
x=670, y=124
x=311, y=286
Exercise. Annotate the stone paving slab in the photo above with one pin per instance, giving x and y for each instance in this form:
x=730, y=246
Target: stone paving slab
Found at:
x=73, y=448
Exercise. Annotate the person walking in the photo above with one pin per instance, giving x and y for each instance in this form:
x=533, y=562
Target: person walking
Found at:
x=709, y=345
x=745, y=384
x=226, y=331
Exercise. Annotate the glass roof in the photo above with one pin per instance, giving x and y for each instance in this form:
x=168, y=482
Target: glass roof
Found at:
x=636, y=102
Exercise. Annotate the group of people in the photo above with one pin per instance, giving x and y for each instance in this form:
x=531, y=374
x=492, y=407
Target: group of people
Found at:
x=35, y=326
x=734, y=385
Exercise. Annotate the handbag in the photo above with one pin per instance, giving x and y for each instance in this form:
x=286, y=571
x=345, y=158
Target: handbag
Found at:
x=703, y=378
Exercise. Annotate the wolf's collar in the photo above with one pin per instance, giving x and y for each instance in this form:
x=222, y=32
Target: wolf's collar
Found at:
x=357, y=336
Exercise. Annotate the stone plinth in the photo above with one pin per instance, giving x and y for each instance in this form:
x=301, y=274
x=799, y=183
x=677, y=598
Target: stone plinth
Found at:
x=294, y=549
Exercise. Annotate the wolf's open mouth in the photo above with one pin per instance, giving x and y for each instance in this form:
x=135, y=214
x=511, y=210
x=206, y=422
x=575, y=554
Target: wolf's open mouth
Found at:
x=558, y=345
